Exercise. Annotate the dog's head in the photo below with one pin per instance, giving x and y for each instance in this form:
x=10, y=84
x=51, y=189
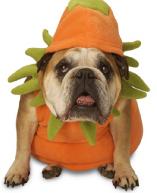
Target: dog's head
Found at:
x=81, y=83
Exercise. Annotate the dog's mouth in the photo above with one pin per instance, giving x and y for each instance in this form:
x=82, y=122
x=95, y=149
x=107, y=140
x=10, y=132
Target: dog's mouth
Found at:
x=85, y=100
x=84, y=106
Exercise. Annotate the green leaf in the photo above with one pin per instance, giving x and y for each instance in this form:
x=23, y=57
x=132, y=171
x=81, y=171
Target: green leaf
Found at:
x=98, y=5
x=38, y=100
x=132, y=62
x=54, y=126
x=131, y=93
x=89, y=130
x=27, y=87
x=35, y=53
x=115, y=112
x=47, y=37
x=127, y=46
x=29, y=70
x=137, y=82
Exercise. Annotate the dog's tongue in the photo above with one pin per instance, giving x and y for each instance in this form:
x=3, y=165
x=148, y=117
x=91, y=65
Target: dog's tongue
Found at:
x=85, y=101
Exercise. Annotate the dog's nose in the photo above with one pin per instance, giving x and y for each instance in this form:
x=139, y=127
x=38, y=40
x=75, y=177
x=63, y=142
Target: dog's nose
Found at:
x=85, y=74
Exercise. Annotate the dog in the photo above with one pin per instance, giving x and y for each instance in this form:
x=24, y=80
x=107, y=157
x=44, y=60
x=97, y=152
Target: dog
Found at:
x=78, y=84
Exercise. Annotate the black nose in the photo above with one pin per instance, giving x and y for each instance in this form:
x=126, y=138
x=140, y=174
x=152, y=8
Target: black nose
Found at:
x=85, y=74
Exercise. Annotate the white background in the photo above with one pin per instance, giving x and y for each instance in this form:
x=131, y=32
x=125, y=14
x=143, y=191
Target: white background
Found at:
x=21, y=25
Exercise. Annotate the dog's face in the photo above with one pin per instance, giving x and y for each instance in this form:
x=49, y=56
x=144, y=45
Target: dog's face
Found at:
x=81, y=84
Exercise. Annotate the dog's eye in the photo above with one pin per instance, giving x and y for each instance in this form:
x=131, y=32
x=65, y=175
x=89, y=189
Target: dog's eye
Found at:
x=63, y=67
x=106, y=69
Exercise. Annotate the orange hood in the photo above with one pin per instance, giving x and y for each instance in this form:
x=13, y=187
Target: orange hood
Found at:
x=87, y=27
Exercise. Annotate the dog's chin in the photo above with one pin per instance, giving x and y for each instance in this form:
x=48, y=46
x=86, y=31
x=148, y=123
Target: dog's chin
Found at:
x=83, y=113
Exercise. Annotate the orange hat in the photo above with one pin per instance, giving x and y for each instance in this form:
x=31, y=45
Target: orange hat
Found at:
x=87, y=23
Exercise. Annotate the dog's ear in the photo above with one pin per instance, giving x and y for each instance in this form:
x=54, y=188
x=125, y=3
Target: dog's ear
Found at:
x=122, y=66
x=42, y=63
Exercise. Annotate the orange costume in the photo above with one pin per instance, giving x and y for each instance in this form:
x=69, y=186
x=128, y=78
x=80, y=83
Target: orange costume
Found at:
x=70, y=148
x=85, y=23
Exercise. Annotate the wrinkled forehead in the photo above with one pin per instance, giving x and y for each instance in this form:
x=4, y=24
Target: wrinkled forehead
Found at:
x=90, y=57
x=84, y=56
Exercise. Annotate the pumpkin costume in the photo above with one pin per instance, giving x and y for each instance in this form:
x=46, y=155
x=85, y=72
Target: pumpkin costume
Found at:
x=70, y=149
x=85, y=23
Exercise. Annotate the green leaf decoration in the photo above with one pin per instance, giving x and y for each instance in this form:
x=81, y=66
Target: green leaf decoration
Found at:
x=127, y=46
x=35, y=53
x=89, y=130
x=115, y=112
x=98, y=5
x=38, y=100
x=47, y=37
x=130, y=92
x=54, y=126
x=137, y=82
x=27, y=87
x=132, y=62
x=29, y=70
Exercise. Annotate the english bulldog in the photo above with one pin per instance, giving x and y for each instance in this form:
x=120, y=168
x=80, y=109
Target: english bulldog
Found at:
x=78, y=84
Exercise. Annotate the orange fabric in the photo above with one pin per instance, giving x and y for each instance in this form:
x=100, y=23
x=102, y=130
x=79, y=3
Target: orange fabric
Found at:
x=85, y=27
x=70, y=148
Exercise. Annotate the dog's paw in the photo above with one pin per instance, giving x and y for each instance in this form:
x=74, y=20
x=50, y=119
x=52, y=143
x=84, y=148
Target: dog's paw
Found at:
x=125, y=177
x=51, y=172
x=107, y=171
x=18, y=174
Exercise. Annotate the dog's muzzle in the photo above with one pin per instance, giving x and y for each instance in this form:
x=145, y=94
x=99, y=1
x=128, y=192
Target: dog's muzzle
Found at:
x=85, y=99
x=85, y=77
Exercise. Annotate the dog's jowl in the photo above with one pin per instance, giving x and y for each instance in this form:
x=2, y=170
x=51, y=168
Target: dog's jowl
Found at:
x=78, y=107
